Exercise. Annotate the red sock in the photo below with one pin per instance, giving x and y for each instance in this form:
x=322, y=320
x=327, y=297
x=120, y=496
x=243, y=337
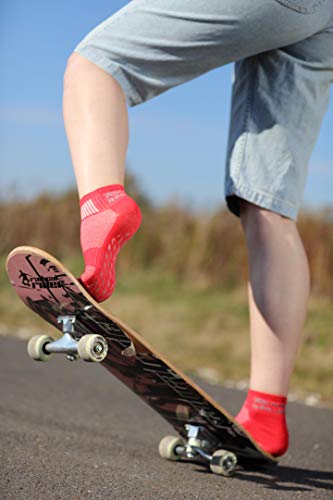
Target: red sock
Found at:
x=109, y=219
x=263, y=416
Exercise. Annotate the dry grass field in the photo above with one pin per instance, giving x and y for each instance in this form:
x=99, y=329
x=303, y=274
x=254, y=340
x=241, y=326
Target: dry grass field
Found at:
x=185, y=294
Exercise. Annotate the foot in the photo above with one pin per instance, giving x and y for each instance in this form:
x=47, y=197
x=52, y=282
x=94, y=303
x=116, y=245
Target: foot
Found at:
x=263, y=416
x=109, y=219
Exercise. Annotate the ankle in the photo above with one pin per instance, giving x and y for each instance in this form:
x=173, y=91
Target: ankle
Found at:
x=109, y=219
x=263, y=416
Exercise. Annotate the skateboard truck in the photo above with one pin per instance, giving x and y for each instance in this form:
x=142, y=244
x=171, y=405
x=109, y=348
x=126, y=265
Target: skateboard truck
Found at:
x=66, y=343
x=199, y=444
x=90, y=347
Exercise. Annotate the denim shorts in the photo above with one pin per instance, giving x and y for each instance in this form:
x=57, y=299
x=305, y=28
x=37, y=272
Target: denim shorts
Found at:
x=283, y=51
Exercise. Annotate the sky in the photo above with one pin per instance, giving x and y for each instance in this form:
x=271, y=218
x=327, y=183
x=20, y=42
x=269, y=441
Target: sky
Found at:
x=177, y=140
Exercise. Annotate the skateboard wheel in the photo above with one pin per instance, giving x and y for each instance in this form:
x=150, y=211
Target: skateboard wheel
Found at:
x=223, y=462
x=36, y=347
x=92, y=348
x=167, y=447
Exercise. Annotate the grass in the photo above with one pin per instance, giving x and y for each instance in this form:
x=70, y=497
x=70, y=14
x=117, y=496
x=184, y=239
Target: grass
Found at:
x=203, y=330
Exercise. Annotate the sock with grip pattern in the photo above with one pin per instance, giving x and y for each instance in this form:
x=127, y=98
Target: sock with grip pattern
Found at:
x=263, y=416
x=109, y=218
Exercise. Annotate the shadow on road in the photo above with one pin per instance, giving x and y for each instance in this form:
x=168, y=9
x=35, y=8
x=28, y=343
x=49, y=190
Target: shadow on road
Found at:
x=283, y=478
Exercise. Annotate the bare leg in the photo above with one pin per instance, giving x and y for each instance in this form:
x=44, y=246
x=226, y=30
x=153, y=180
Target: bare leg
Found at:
x=96, y=122
x=278, y=294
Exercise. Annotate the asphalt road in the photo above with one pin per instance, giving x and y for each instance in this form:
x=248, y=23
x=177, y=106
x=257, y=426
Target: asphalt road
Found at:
x=71, y=431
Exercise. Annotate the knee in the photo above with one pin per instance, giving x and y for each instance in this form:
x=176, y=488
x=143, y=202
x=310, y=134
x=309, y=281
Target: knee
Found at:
x=76, y=66
x=82, y=72
x=259, y=222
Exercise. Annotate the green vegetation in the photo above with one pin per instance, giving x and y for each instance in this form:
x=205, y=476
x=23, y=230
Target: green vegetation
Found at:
x=185, y=294
x=200, y=329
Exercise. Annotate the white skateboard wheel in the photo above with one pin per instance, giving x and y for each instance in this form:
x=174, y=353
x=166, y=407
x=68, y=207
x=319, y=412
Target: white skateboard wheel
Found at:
x=167, y=447
x=223, y=462
x=92, y=348
x=36, y=347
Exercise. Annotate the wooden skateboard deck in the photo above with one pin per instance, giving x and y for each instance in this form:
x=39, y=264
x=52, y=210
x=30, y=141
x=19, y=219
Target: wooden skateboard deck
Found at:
x=50, y=290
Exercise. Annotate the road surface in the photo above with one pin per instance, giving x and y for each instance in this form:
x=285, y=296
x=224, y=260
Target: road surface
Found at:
x=71, y=431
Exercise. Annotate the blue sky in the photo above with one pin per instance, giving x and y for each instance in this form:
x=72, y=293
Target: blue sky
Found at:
x=178, y=140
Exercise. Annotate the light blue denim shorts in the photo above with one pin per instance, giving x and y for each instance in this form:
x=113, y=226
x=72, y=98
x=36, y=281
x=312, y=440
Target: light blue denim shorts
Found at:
x=283, y=51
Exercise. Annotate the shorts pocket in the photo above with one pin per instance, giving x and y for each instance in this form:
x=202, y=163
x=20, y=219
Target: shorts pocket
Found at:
x=303, y=6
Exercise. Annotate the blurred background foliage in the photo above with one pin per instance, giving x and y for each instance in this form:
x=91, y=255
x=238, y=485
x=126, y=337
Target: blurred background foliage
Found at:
x=203, y=248
x=181, y=283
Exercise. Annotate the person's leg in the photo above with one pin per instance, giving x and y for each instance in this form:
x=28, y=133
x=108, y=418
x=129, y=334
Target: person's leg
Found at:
x=141, y=51
x=95, y=116
x=96, y=122
x=279, y=286
x=278, y=289
x=279, y=100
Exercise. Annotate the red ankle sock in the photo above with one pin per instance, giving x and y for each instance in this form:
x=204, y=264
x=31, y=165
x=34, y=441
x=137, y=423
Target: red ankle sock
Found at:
x=109, y=219
x=263, y=416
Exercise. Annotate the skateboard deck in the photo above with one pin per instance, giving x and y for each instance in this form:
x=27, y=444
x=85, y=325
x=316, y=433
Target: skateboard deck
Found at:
x=204, y=427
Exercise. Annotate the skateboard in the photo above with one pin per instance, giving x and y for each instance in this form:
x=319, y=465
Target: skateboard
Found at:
x=206, y=432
